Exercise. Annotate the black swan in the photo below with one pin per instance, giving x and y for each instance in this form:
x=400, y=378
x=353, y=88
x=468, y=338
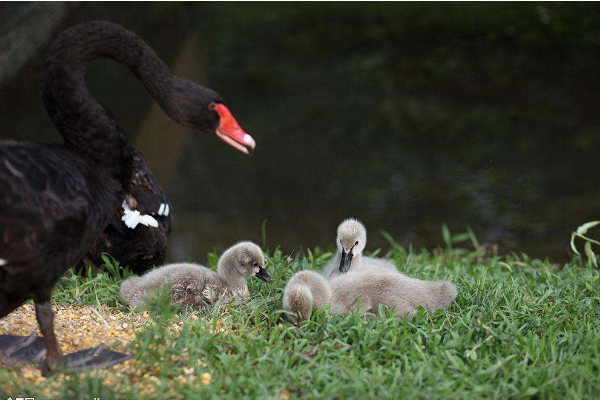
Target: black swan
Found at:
x=133, y=240
x=56, y=199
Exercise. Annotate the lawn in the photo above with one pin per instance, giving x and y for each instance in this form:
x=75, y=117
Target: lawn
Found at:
x=520, y=328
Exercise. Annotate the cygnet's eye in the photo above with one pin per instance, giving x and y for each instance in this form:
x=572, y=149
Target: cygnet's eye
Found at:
x=356, y=243
x=255, y=264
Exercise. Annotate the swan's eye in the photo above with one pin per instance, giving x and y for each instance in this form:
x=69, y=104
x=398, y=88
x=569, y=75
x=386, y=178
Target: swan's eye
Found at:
x=255, y=264
x=212, y=106
x=356, y=243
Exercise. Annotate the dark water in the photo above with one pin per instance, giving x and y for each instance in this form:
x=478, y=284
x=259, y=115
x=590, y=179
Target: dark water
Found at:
x=404, y=116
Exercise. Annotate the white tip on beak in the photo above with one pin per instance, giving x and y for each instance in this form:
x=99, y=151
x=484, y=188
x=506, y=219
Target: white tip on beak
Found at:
x=249, y=141
x=133, y=218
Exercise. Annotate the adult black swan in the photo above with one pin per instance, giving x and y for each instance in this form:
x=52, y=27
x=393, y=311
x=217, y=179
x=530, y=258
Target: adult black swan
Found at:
x=56, y=199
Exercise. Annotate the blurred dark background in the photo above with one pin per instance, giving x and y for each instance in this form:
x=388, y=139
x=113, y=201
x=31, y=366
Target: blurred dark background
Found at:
x=406, y=116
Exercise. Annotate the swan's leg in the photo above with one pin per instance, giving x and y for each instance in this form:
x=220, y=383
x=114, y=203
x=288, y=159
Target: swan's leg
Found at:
x=97, y=357
x=20, y=349
x=45, y=318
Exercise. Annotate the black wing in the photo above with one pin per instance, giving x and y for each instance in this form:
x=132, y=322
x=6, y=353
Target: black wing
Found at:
x=44, y=204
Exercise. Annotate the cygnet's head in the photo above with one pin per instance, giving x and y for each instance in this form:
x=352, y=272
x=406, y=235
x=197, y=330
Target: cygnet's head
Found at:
x=248, y=259
x=351, y=241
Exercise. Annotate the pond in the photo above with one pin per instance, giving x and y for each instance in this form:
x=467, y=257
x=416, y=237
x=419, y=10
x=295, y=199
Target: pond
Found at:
x=404, y=117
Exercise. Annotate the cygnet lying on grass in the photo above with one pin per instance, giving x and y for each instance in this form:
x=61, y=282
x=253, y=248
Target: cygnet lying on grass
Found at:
x=305, y=291
x=351, y=241
x=393, y=289
x=364, y=289
x=195, y=286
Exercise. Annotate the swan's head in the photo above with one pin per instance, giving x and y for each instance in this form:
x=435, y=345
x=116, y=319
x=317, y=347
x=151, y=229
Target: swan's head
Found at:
x=249, y=260
x=351, y=241
x=203, y=109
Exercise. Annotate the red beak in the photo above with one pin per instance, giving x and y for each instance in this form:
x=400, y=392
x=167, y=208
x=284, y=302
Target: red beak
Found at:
x=230, y=131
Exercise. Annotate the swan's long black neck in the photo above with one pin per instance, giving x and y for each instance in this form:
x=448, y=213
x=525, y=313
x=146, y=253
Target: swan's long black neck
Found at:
x=86, y=126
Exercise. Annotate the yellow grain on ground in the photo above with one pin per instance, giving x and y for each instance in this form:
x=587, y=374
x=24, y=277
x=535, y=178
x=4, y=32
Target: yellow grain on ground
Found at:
x=77, y=328
x=81, y=327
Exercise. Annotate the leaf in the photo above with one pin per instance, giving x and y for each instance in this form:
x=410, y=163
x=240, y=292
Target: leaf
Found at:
x=573, y=245
x=460, y=237
x=590, y=253
x=213, y=259
x=505, y=265
x=531, y=391
x=389, y=238
x=264, y=234
x=446, y=235
x=105, y=258
x=582, y=230
x=473, y=238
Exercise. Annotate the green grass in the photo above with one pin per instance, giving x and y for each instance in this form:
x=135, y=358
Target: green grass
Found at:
x=520, y=328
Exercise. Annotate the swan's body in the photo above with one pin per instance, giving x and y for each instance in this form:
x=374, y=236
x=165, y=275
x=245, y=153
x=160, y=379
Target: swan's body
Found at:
x=368, y=289
x=53, y=206
x=192, y=285
x=56, y=199
x=364, y=290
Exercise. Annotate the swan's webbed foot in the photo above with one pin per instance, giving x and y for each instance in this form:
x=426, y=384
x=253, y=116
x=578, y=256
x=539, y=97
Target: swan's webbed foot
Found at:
x=94, y=358
x=21, y=349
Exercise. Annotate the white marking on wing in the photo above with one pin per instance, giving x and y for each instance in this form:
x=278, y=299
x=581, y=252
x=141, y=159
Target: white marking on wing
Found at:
x=166, y=212
x=161, y=208
x=3, y=262
x=148, y=220
x=132, y=218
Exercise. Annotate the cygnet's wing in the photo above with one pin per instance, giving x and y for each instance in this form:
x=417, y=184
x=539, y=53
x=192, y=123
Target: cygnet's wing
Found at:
x=198, y=289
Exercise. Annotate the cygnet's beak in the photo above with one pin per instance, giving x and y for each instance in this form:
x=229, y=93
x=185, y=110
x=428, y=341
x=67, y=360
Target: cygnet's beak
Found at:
x=263, y=275
x=346, y=261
